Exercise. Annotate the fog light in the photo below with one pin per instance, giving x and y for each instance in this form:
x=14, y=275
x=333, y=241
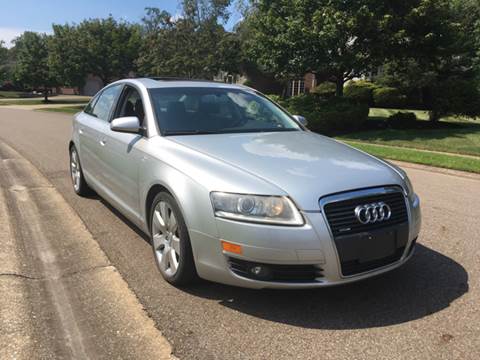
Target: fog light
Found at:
x=256, y=270
x=261, y=272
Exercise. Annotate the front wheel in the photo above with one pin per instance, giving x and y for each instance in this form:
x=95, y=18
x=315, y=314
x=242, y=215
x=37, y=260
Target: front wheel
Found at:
x=170, y=241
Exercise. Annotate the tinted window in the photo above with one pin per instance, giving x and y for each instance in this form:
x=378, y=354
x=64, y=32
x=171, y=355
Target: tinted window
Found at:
x=131, y=104
x=105, y=102
x=216, y=110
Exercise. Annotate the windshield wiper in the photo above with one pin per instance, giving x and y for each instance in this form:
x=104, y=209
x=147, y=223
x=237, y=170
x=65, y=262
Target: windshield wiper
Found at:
x=229, y=131
x=189, y=132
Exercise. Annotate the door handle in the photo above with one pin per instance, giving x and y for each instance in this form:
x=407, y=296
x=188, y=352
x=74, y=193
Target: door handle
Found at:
x=80, y=131
x=103, y=142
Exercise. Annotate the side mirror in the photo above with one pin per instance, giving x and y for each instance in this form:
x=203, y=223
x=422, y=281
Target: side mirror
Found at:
x=128, y=124
x=301, y=120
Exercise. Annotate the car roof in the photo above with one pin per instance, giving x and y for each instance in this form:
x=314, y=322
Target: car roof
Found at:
x=153, y=83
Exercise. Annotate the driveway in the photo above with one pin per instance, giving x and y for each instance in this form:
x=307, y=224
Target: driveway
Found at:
x=428, y=309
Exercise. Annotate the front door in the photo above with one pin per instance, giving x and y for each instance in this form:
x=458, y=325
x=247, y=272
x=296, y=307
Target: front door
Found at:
x=121, y=157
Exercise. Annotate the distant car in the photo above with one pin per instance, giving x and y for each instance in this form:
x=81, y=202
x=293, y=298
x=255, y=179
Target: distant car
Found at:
x=233, y=189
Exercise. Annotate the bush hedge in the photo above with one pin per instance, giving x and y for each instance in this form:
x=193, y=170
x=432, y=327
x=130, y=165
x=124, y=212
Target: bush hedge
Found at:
x=455, y=97
x=360, y=91
x=325, y=90
x=340, y=115
x=402, y=120
x=388, y=97
x=328, y=116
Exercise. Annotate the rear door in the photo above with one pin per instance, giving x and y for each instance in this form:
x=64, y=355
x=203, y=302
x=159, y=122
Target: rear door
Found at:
x=83, y=133
x=92, y=127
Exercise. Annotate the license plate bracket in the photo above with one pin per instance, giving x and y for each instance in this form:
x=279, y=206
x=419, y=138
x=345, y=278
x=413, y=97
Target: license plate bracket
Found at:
x=372, y=245
x=377, y=245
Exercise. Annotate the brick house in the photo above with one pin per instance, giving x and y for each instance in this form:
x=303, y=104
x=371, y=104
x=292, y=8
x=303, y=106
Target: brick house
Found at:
x=301, y=85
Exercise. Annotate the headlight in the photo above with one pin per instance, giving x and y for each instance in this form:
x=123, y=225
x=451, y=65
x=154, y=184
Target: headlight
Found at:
x=409, y=186
x=256, y=208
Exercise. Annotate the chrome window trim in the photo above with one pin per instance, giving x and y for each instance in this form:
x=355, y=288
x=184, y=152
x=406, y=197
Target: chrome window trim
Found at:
x=348, y=195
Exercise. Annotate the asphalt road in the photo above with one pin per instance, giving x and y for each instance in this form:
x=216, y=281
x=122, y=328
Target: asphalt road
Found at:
x=428, y=309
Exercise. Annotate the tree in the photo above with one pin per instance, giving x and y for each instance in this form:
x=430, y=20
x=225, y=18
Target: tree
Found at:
x=439, y=57
x=102, y=47
x=3, y=62
x=337, y=40
x=340, y=40
x=31, y=68
x=466, y=13
x=68, y=58
x=194, y=45
x=112, y=47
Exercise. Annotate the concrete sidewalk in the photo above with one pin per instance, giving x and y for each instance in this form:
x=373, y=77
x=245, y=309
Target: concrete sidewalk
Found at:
x=61, y=296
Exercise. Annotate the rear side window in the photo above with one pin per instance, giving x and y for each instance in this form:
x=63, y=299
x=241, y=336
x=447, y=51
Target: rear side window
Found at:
x=105, y=102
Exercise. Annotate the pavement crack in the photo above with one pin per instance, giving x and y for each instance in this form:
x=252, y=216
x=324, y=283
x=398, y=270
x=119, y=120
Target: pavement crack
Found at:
x=85, y=271
x=22, y=276
x=63, y=276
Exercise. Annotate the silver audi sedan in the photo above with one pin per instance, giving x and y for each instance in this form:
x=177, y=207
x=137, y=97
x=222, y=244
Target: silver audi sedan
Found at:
x=233, y=189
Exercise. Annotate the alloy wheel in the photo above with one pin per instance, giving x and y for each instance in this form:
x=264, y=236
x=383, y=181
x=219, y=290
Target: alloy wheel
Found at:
x=166, y=239
x=75, y=169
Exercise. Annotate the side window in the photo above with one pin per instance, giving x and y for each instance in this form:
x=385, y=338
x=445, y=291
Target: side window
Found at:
x=88, y=109
x=104, y=104
x=131, y=105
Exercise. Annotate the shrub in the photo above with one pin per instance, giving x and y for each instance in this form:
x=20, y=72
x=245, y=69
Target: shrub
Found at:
x=325, y=90
x=329, y=116
x=388, y=97
x=248, y=83
x=360, y=91
x=455, y=97
x=305, y=105
x=402, y=120
x=278, y=99
x=340, y=115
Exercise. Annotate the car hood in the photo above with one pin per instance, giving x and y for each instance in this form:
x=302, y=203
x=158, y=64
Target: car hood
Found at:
x=303, y=164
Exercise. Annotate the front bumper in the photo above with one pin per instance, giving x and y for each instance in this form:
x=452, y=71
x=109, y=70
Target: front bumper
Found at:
x=309, y=245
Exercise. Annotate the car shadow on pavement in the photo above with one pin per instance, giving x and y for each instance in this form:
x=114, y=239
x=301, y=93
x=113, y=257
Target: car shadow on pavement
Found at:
x=428, y=283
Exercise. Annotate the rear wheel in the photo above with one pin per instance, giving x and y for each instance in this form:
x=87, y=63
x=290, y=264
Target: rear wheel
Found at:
x=79, y=184
x=170, y=241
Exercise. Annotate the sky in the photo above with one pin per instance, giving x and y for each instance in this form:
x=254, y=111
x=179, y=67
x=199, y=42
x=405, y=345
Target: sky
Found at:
x=16, y=16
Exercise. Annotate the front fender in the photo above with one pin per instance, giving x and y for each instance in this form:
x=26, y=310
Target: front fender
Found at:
x=192, y=198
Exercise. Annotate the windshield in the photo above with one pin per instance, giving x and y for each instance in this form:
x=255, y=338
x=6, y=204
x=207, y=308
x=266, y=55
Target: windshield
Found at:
x=185, y=111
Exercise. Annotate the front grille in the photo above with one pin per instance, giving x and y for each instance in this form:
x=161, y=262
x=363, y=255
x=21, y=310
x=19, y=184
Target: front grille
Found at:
x=365, y=247
x=341, y=214
x=276, y=273
x=353, y=267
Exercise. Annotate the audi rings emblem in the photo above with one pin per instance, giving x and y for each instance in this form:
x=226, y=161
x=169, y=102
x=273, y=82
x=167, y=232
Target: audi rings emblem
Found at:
x=373, y=213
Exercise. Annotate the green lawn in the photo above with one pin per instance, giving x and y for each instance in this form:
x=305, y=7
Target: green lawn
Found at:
x=64, y=109
x=454, y=162
x=40, y=101
x=385, y=113
x=459, y=136
x=382, y=113
x=16, y=94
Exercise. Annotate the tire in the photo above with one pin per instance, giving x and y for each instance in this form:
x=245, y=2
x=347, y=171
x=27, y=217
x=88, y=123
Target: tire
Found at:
x=80, y=186
x=170, y=241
